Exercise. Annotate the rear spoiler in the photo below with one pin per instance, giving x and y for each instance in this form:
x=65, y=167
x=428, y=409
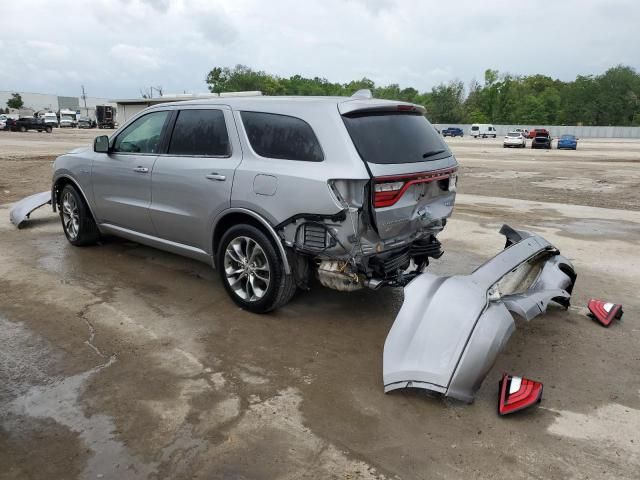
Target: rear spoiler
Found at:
x=359, y=105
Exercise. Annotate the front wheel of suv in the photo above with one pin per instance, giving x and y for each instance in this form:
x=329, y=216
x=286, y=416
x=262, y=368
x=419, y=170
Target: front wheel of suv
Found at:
x=77, y=222
x=252, y=271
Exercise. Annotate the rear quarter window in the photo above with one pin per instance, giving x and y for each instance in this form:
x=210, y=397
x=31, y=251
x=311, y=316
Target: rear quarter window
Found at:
x=281, y=136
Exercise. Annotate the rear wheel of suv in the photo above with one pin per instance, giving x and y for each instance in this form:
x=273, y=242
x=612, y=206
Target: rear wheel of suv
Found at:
x=23, y=129
x=77, y=222
x=252, y=271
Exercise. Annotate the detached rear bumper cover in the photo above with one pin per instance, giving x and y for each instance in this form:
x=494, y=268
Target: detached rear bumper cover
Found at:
x=450, y=330
x=23, y=208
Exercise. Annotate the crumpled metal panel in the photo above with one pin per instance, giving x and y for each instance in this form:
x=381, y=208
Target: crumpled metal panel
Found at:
x=450, y=330
x=23, y=208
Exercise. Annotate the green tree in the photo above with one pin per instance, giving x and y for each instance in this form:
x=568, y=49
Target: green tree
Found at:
x=15, y=101
x=612, y=98
x=446, y=103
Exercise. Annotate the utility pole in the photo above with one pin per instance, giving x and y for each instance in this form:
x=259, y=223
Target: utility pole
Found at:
x=84, y=97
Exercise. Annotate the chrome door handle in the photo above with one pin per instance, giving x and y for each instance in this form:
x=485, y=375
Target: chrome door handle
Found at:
x=141, y=170
x=215, y=176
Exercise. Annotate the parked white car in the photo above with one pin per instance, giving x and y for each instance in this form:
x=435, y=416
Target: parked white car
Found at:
x=483, y=130
x=50, y=119
x=68, y=118
x=514, y=139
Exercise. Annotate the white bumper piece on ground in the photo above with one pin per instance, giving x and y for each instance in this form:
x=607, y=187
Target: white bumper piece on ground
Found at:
x=23, y=208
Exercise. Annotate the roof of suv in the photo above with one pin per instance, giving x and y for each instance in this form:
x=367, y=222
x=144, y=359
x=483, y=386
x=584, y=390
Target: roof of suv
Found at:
x=344, y=104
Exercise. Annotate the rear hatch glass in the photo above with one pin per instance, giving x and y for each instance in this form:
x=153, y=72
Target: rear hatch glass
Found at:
x=389, y=137
x=414, y=171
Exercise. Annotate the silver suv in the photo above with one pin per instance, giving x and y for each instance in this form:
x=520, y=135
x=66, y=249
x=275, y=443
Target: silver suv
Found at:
x=270, y=190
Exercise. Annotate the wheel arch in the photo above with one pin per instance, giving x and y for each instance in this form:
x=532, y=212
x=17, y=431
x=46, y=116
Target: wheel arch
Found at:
x=57, y=187
x=235, y=216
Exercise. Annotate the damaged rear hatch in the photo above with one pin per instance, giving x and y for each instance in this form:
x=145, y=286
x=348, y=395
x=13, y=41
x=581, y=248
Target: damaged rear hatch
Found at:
x=414, y=173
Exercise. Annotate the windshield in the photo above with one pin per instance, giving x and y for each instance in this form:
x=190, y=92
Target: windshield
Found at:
x=390, y=137
x=66, y=117
x=475, y=127
x=568, y=137
x=514, y=134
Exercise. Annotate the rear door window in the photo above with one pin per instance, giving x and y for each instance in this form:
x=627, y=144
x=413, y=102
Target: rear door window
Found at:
x=200, y=133
x=390, y=137
x=281, y=136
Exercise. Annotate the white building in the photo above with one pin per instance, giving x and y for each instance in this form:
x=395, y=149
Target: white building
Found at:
x=128, y=107
x=54, y=103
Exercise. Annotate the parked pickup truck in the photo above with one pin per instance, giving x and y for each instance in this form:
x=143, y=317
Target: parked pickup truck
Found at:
x=452, y=132
x=29, y=123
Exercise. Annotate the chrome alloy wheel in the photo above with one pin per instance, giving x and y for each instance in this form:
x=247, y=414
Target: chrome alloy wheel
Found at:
x=247, y=269
x=70, y=215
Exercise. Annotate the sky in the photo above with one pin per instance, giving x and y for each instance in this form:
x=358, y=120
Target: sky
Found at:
x=115, y=48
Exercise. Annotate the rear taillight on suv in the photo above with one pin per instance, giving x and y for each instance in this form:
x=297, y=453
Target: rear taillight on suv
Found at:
x=388, y=190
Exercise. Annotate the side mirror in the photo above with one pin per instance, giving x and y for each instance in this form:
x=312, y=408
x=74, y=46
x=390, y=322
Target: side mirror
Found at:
x=101, y=144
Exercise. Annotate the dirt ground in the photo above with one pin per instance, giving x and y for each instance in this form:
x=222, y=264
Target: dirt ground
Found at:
x=120, y=361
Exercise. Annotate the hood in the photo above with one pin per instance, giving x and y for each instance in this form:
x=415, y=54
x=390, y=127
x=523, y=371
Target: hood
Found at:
x=79, y=150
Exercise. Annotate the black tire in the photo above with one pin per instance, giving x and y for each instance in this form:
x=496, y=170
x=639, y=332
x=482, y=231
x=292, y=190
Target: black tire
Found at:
x=86, y=231
x=494, y=136
x=49, y=130
x=281, y=287
x=23, y=129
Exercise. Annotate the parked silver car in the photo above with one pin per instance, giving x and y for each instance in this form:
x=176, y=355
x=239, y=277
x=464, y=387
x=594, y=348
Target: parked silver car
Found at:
x=271, y=190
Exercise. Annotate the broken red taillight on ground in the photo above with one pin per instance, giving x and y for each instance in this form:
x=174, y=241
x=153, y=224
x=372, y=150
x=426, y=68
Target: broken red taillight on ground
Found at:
x=605, y=312
x=389, y=189
x=517, y=393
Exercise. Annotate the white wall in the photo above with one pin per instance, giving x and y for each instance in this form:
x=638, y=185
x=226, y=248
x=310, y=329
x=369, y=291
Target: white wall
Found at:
x=45, y=101
x=35, y=101
x=557, y=130
x=127, y=110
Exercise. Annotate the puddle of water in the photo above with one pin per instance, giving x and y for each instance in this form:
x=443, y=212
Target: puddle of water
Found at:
x=29, y=390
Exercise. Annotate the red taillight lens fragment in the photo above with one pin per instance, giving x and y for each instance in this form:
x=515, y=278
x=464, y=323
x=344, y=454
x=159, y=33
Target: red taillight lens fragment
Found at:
x=517, y=393
x=605, y=312
x=388, y=190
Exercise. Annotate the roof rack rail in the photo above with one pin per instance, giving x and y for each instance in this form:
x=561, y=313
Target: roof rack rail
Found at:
x=363, y=93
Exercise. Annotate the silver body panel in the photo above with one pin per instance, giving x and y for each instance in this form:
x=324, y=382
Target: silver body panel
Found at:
x=189, y=192
x=22, y=209
x=450, y=330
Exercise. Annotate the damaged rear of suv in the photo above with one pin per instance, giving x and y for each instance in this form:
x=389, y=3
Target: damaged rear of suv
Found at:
x=371, y=201
x=272, y=190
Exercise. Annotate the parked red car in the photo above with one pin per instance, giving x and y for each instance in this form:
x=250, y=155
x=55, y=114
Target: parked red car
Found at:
x=534, y=133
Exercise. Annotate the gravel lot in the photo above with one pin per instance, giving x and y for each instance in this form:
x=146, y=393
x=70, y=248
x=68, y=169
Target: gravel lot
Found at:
x=121, y=361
